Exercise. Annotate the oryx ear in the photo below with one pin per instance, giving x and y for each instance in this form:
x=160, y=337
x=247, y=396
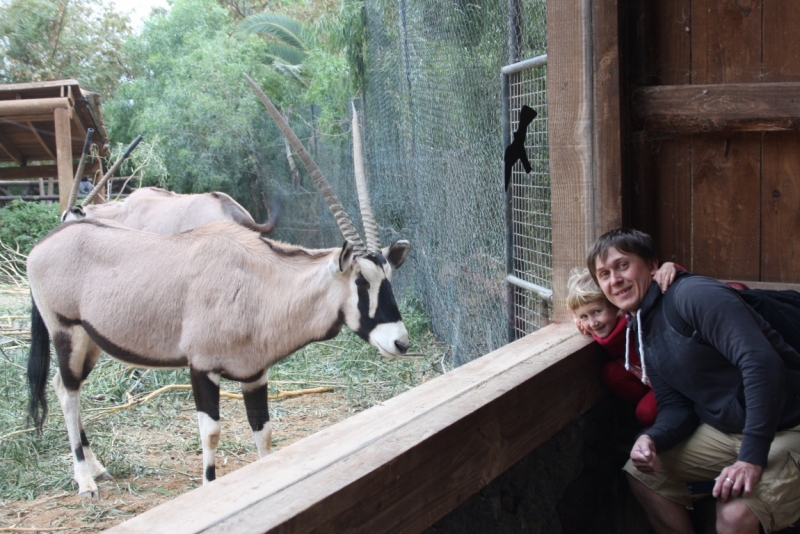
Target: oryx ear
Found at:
x=396, y=254
x=75, y=213
x=346, y=256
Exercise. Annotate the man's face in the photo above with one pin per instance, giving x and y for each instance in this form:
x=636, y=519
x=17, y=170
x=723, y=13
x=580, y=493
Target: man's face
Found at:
x=625, y=278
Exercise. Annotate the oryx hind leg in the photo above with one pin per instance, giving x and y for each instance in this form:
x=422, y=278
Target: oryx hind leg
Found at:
x=205, y=387
x=255, y=402
x=77, y=356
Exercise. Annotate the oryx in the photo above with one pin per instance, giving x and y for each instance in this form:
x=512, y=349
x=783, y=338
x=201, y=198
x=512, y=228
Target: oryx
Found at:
x=220, y=299
x=157, y=210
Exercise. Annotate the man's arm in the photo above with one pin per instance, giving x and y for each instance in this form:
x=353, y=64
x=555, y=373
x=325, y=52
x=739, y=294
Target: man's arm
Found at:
x=676, y=419
x=724, y=321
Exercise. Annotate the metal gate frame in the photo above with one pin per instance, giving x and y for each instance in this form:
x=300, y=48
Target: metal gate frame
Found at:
x=528, y=210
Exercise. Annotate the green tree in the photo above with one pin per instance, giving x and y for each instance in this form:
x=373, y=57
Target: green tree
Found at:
x=56, y=39
x=187, y=90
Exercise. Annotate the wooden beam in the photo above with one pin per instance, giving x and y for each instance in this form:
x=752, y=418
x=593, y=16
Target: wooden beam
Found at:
x=47, y=147
x=32, y=107
x=18, y=87
x=64, y=154
x=716, y=107
x=569, y=108
x=401, y=465
x=8, y=147
x=30, y=172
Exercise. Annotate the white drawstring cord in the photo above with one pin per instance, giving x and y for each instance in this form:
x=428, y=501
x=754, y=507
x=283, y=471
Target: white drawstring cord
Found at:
x=641, y=348
x=627, y=346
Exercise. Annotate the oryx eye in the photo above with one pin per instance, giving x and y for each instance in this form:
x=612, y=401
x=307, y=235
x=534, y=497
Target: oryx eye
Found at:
x=362, y=282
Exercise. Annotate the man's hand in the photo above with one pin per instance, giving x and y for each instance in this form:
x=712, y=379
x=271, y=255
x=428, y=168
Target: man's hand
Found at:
x=738, y=479
x=643, y=455
x=578, y=324
x=665, y=275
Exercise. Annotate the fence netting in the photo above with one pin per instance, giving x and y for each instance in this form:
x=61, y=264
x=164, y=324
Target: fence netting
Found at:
x=432, y=126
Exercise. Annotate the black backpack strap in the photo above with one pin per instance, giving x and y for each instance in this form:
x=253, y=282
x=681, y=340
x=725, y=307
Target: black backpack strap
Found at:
x=674, y=318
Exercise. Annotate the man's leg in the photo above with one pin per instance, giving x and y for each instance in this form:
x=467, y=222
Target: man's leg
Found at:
x=735, y=517
x=665, y=516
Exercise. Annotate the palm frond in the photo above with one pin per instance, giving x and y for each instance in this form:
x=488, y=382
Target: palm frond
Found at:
x=287, y=54
x=283, y=29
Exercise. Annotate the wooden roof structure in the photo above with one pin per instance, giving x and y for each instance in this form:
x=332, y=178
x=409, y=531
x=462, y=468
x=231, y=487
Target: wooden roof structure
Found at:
x=43, y=127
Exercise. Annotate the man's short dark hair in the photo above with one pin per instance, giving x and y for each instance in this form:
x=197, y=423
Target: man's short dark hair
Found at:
x=624, y=240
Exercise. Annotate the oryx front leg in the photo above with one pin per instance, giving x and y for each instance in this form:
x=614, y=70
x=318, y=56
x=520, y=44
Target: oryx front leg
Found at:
x=77, y=355
x=205, y=387
x=255, y=402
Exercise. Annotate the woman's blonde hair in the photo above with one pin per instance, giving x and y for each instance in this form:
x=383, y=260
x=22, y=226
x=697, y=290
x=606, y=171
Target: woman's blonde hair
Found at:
x=582, y=289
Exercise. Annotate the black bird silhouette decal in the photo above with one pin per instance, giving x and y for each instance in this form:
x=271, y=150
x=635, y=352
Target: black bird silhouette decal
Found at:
x=516, y=150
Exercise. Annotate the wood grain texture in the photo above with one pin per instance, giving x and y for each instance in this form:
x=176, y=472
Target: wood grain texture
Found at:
x=780, y=205
x=726, y=41
x=672, y=203
x=63, y=127
x=607, y=142
x=570, y=137
x=707, y=108
x=726, y=49
x=400, y=466
x=664, y=39
x=727, y=199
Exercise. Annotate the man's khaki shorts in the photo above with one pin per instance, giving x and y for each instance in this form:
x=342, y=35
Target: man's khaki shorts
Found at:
x=776, y=497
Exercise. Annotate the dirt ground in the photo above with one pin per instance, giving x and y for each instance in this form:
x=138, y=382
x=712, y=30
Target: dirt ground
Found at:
x=167, y=472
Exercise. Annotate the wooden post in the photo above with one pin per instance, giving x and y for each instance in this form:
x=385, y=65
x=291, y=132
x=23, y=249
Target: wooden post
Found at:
x=607, y=153
x=569, y=98
x=63, y=154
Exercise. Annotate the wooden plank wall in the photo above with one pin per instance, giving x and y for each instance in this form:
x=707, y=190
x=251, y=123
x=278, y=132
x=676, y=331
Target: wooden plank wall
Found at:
x=721, y=203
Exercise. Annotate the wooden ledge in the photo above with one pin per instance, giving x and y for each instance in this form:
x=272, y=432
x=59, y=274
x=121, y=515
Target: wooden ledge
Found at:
x=400, y=466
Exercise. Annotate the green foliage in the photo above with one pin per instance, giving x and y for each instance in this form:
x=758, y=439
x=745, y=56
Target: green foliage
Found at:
x=25, y=223
x=56, y=39
x=189, y=93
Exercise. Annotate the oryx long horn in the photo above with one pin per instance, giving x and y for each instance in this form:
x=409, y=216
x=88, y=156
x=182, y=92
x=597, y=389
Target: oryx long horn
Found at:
x=367, y=216
x=342, y=219
x=76, y=183
x=93, y=193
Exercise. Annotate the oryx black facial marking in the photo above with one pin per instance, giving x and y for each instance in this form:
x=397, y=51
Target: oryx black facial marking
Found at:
x=386, y=312
x=127, y=356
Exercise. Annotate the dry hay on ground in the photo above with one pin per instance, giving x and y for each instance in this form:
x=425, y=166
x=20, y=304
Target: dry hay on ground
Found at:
x=167, y=470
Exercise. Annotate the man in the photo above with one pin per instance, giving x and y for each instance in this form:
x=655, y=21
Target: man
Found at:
x=728, y=396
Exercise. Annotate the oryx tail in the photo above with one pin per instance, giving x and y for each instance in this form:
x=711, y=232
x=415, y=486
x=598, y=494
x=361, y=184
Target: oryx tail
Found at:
x=38, y=368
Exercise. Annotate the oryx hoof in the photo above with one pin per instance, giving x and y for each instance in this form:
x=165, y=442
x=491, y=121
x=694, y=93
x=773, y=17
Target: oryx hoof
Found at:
x=90, y=494
x=103, y=476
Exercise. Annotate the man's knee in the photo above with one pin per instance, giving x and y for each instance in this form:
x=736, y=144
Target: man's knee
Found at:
x=735, y=516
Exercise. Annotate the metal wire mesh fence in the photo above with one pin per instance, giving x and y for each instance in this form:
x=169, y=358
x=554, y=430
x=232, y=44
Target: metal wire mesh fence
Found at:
x=433, y=132
x=530, y=219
